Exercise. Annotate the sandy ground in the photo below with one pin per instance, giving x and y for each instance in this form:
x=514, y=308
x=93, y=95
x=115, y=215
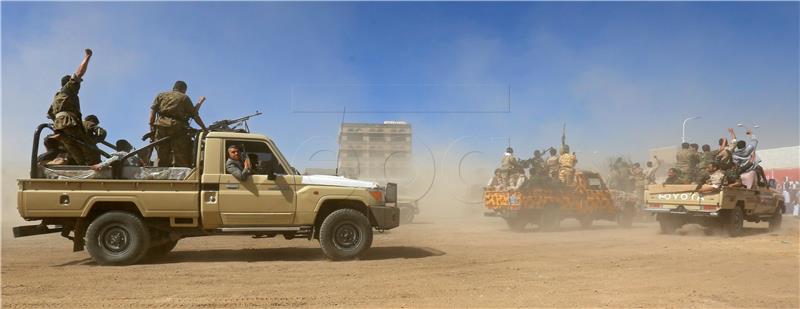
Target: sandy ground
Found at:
x=466, y=262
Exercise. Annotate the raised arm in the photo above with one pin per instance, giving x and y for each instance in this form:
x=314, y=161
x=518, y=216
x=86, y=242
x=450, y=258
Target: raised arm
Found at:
x=732, y=133
x=84, y=64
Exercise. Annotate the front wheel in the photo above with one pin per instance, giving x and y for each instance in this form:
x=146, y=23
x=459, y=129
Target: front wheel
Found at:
x=345, y=234
x=775, y=221
x=117, y=238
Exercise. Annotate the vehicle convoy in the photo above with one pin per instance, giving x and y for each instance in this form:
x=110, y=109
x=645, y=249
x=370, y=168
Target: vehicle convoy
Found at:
x=141, y=212
x=728, y=208
x=588, y=200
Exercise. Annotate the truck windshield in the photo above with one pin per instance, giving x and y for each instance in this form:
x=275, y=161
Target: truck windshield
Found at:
x=278, y=153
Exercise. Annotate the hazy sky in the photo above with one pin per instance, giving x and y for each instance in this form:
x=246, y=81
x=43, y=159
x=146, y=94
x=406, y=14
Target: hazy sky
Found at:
x=467, y=76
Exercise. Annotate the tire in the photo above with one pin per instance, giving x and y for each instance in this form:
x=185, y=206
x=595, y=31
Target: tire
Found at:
x=117, y=238
x=668, y=223
x=345, y=234
x=625, y=218
x=733, y=222
x=516, y=224
x=586, y=221
x=550, y=219
x=776, y=220
x=162, y=249
x=406, y=215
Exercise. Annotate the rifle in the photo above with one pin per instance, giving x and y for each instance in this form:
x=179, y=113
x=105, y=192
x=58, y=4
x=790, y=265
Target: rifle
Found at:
x=232, y=125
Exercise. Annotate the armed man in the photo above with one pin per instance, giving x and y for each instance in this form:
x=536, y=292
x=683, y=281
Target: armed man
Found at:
x=94, y=134
x=567, y=162
x=552, y=164
x=682, y=163
x=65, y=111
x=508, y=163
x=169, y=117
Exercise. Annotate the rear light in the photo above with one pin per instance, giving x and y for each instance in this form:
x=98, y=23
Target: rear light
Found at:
x=709, y=207
x=654, y=206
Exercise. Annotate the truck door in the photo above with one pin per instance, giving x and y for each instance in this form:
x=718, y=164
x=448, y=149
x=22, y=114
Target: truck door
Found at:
x=265, y=198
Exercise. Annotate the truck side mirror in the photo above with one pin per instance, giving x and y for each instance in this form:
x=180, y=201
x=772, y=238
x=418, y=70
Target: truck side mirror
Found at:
x=271, y=176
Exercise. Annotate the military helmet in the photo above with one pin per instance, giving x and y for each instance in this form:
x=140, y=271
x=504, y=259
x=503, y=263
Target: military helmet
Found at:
x=510, y=150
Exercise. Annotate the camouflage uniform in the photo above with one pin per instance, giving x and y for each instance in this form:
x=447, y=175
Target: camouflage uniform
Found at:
x=683, y=163
x=706, y=157
x=566, y=173
x=174, y=110
x=65, y=111
x=552, y=167
x=94, y=134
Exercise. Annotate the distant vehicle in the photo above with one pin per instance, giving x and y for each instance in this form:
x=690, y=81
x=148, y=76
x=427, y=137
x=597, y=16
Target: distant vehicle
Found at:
x=134, y=212
x=588, y=200
x=676, y=205
x=408, y=209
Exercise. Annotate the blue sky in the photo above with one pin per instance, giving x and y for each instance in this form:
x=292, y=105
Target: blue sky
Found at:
x=622, y=76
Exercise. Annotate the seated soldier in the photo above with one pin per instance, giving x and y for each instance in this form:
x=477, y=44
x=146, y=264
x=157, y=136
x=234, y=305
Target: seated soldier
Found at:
x=495, y=181
x=715, y=181
x=123, y=149
x=673, y=177
x=240, y=170
x=517, y=180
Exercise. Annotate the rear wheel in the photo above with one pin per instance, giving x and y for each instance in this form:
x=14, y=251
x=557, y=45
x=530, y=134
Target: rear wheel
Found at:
x=550, y=219
x=516, y=223
x=668, y=223
x=345, y=234
x=775, y=221
x=733, y=222
x=117, y=238
x=625, y=218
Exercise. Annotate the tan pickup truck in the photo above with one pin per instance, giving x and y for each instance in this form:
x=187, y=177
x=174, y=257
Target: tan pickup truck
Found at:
x=676, y=205
x=124, y=216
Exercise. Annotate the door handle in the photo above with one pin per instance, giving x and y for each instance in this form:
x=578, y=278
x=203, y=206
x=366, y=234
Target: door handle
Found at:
x=232, y=186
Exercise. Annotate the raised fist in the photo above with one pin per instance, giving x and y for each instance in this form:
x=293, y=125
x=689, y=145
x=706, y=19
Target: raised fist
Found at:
x=88, y=52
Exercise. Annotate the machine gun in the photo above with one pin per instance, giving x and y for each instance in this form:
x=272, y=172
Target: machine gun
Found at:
x=233, y=125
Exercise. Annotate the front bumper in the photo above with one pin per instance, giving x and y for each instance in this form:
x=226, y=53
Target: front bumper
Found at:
x=385, y=217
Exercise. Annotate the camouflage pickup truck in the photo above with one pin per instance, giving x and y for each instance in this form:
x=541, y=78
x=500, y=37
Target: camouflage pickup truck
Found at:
x=728, y=208
x=130, y=213
x=588, y=200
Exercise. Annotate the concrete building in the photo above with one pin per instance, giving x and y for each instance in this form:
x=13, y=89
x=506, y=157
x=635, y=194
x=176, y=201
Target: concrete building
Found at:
x=375, y=151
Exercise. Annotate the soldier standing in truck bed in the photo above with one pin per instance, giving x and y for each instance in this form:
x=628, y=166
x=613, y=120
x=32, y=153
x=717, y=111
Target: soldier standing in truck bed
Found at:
x=65, y=111
x=552, y=164
x=169, y=117
x=682, y=159
x=567, y=161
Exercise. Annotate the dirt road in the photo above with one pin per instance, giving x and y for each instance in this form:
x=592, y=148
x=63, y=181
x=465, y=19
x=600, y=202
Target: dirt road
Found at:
x=472, y=262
